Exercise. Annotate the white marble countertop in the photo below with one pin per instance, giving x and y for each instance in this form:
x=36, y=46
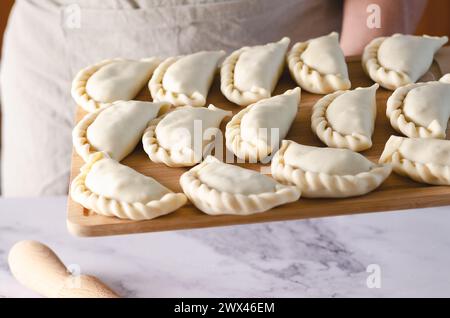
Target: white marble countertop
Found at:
x=325, y=257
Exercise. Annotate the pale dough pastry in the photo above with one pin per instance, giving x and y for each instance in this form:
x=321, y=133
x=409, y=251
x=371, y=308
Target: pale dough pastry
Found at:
x=318, y=65
x=400, y=59
x=180, y=138
x=115, y=129
x=423, y=160
x=112, y=80
x=251, y=73
x=112, y=189
x=421, y=110
x=219, y=188
x=256, y=131
x=185, y=80
x=327, y=172
x=346, y=119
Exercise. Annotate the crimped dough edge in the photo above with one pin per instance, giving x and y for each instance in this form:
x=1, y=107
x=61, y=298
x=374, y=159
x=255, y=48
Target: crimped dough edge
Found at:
x=186, y=157
x=160, y=93
x=123, y=210
x=400, y=122
x=322, y=185
x=79, y=134
x=387, y=78
x=214, y=202
x=309, y=78
x=332, y=138
x=429, y=173
x=78, y=90
x=252, y=152
x=231, y=92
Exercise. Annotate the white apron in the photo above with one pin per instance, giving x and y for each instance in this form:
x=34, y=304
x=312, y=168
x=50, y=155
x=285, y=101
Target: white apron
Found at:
x=42, y=54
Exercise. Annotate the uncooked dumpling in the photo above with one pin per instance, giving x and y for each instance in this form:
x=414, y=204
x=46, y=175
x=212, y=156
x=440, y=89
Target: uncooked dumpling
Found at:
x=251, y=73
x=185, y=80
x=255, y=132
x=400, y=59
x=327, y=172
x=421, y=110
x=112, y=189
x=318, y=65
x=346, y=119
x=219, y=188
x=181, y=137
x=115, y=129
x=423, y=160
x=112, y=80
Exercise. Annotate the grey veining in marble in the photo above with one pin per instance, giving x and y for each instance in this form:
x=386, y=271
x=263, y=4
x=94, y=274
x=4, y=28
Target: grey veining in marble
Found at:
x=323, y=257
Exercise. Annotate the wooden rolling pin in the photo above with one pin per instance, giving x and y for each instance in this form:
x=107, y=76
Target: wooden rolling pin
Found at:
x=37, y=267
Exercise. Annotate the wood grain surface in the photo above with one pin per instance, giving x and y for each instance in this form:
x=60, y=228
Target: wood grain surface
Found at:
x=397, y=193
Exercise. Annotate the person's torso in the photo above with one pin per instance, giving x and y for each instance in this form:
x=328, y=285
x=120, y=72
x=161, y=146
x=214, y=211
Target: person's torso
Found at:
x=142, y=28
x=133, y=4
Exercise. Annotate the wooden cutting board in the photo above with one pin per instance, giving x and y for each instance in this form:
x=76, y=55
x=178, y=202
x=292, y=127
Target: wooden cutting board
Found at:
x=396, y=193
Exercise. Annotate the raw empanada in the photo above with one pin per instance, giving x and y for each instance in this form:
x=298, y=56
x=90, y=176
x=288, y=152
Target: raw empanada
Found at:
x=115, y=129
x=219, y=188
x=180, y=138
x=111, y=80
x=251, y=73
x=318, y=65
x=346, y=119
x=400, y=59
x=112, y=189
x=327, y=172
x=185, y=80
x=423, y=160
x=255, y=132
x=421, y=110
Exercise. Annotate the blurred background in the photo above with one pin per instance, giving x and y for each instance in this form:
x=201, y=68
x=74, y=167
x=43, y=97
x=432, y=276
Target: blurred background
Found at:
x=5, y=8
x=435, y=21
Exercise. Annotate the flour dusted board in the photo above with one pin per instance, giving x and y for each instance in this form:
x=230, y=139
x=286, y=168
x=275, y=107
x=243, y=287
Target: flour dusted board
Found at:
x=395, y=194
